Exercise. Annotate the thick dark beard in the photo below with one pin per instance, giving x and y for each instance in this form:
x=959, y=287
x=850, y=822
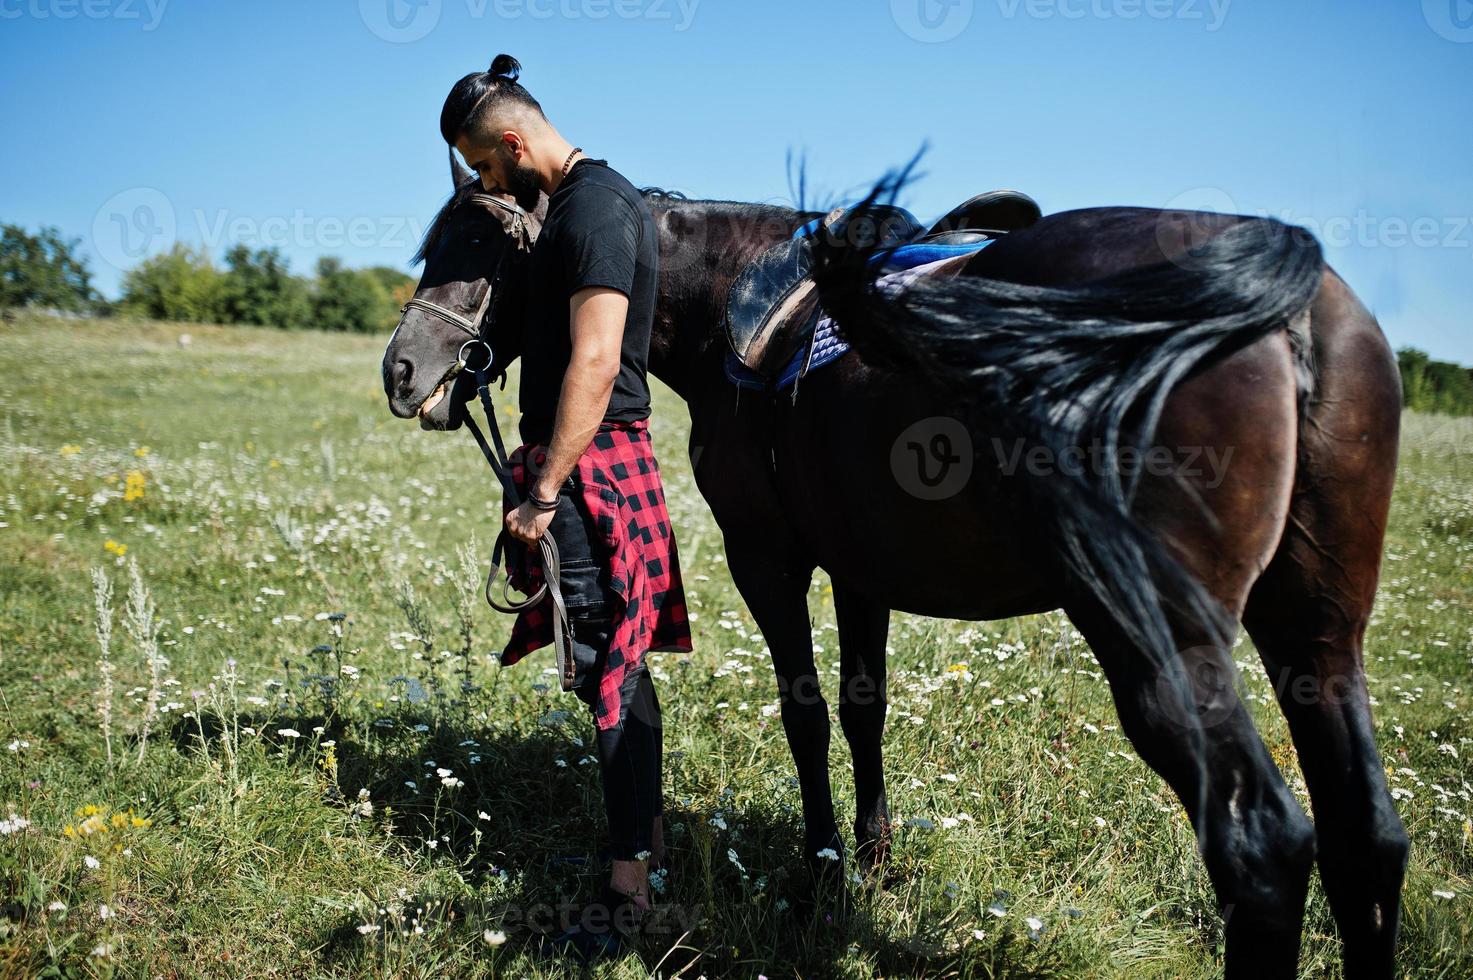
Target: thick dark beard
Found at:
x=525, y=186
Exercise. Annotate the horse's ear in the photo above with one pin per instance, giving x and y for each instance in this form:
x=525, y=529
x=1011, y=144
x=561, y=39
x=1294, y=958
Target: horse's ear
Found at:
x=458, y=173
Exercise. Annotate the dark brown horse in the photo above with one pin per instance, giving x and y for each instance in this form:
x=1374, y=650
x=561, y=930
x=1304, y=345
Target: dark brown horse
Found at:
x=1089, y=337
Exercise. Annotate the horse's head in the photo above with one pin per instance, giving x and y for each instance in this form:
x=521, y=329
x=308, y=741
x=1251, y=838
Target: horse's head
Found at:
x=469, y=306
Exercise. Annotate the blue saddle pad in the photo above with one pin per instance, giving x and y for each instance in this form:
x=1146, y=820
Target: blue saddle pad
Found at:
x=828, y=342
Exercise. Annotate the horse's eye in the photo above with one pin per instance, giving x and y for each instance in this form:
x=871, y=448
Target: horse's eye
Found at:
x=476, y=241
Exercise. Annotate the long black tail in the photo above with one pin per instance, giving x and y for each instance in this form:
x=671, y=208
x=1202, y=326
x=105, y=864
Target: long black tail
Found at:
x=1088, y=366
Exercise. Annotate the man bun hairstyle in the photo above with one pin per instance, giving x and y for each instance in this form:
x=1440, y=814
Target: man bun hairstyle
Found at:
x=477, y=96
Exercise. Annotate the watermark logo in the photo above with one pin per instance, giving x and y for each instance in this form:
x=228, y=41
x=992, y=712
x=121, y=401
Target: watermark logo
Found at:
x=1212, y=683
x=131, y=224
x=1451, y=19
x=403, y=21
x=1210, y=13
x=141, y=221
x=400, y=21
x=932, y=459
x=931, y=21
x=150, y=13
x=1191, y=220
x=1205, y=466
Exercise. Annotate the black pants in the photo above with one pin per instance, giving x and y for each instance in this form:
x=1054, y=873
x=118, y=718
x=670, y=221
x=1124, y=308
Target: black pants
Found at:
x=629, y=752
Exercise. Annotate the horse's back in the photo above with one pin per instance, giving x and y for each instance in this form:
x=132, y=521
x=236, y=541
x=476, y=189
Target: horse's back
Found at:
x=1070, y=248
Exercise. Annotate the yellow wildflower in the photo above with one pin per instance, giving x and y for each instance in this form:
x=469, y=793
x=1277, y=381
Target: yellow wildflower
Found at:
x=70, y=450
x=133, y=488
x=118, y=549
x=142, y=451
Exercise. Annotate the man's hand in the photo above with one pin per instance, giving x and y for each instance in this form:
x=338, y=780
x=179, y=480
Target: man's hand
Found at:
x=527, y=523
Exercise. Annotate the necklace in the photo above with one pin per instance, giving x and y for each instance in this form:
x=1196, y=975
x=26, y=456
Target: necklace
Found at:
x=568, y=163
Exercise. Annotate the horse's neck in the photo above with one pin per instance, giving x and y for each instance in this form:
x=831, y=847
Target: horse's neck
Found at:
x=704, y=246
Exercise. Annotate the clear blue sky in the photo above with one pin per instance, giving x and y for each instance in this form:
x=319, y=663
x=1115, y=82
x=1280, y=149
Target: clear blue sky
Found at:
x=313, y=125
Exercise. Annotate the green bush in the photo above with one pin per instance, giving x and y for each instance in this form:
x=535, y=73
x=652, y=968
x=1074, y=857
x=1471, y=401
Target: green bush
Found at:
x=259, y=288
x=180, y=284
x=1434, y=386
x=353, y=300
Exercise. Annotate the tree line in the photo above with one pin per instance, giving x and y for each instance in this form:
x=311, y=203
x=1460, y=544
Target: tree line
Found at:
x=1434, y=386
x=45, y=271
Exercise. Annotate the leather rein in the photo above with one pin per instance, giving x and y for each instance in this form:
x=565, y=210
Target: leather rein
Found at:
x=477, y=326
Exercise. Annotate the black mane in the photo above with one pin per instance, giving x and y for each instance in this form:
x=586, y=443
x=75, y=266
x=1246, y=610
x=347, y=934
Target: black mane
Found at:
x=438, y=227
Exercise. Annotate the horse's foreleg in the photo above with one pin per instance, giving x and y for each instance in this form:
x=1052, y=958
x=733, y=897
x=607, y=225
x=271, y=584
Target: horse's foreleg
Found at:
x=863, y=627
x=777, y=595
x=1255, y=840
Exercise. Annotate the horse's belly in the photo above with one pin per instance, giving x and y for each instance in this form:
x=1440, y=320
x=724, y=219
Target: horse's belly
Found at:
x=895, y=499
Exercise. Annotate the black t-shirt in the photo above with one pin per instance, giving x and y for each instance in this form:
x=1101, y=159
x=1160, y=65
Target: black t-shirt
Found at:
x=598, y=232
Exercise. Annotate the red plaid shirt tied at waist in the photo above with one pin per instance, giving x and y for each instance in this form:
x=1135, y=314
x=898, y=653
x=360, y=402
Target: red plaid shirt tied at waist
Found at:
x=621, y=486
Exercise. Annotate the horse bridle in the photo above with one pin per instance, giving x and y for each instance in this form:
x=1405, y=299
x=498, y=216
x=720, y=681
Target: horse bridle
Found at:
x=477, y=327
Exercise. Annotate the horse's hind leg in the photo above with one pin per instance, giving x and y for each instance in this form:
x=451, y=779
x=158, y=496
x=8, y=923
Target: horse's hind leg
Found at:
x=1308, y=614
x=1255, y=840
x=863, y=626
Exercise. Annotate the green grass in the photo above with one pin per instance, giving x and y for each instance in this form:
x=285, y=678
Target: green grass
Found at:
x=276, y=488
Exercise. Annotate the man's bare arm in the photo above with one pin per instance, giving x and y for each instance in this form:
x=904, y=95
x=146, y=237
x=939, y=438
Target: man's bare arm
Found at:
x=597, y=325
x=598, y=336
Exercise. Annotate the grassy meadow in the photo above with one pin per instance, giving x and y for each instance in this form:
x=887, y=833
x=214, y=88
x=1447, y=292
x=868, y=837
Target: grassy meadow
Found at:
x=298, y=757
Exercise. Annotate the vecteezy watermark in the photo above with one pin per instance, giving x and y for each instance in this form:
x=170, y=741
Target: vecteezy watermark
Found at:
x=1451, y=19
x=1207, y=464
x=150, y=13
x=1212, y=13
x=932, y=459
x=137, y=222
x=1210, y=687
x=1189, y=221
x=302, y=230
x=931, y=21
x=402, y=21
x=1204, y=694
x=131, y=224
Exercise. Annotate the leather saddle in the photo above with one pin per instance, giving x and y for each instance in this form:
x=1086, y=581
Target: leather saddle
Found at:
x=772, y=308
